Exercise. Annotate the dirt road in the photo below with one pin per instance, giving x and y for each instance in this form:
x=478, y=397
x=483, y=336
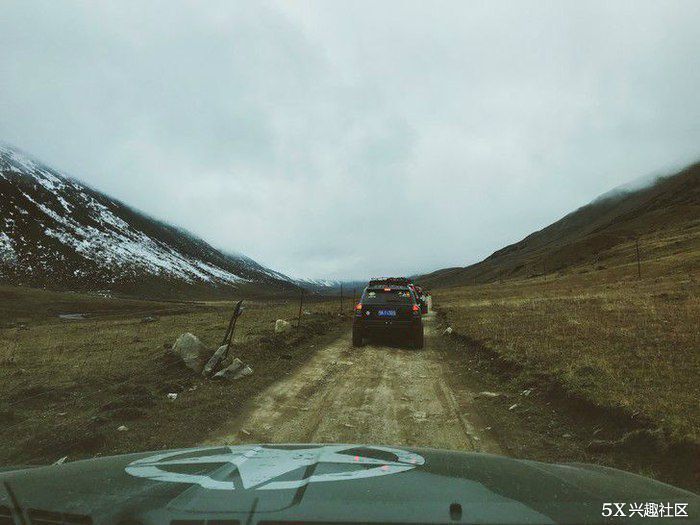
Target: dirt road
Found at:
x=375, y=394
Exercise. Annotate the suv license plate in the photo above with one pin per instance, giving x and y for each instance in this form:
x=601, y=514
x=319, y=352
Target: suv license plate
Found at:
x=386, y=313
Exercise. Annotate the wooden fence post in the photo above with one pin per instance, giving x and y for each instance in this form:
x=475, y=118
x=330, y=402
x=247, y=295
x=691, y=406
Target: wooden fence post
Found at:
x=301, y=303
x=639, y=262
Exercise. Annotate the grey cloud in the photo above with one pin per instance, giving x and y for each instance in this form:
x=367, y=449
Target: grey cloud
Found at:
x=345, y=139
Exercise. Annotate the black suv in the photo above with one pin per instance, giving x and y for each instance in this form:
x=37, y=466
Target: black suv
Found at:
x=388, y=309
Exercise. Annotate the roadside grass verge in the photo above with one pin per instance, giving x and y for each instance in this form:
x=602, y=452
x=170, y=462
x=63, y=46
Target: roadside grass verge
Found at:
x=628, y=346
x=25, y=305
x=67, y=385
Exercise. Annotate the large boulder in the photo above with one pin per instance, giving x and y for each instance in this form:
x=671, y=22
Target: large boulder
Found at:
x=235, y=370
x=191, y=351
x=242, y=372
x=282, y=326
x=229, y=371
x=216, y=361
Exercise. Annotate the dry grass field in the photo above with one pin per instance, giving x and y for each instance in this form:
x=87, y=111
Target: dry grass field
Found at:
x=600, y=333
x=67, y=385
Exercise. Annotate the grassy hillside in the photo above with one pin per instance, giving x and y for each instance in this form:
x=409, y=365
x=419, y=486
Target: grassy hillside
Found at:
x=602, y=234
x=568, y=309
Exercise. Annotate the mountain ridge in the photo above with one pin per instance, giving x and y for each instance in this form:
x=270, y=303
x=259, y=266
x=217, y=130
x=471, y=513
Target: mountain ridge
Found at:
x=58, y=232
x=589, y=234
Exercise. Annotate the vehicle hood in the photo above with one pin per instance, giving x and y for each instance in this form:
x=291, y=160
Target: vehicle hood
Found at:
x=322, y=483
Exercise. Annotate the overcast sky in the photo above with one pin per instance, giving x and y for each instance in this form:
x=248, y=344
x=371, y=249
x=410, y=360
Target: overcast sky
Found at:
x=347, y=139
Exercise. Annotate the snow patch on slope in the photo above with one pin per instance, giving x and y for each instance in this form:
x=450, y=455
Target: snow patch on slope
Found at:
x=7, y=251
x=324, y=283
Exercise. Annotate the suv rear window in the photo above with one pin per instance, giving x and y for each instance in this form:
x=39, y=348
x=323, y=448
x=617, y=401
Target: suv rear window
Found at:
x=384, y=297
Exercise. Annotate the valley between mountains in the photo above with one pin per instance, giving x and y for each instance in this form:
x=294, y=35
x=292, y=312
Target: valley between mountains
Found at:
x=577, y=343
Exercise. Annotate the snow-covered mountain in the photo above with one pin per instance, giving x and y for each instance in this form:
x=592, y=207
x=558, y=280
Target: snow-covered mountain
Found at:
x=331, y=286
x=318, y=283
x=56, y=232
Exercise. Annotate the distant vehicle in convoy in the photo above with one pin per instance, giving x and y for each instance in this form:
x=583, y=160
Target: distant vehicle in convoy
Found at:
x=388, y=309
x=422, y=299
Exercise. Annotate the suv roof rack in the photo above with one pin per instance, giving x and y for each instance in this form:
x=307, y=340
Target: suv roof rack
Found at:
x=387, y=286
x=378, y=281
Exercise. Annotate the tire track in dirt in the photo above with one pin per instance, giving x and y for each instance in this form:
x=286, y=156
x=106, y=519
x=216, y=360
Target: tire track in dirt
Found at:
x=375, y=394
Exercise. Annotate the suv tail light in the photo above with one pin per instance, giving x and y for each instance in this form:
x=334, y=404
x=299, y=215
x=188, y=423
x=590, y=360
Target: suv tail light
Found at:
x=416, y=308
